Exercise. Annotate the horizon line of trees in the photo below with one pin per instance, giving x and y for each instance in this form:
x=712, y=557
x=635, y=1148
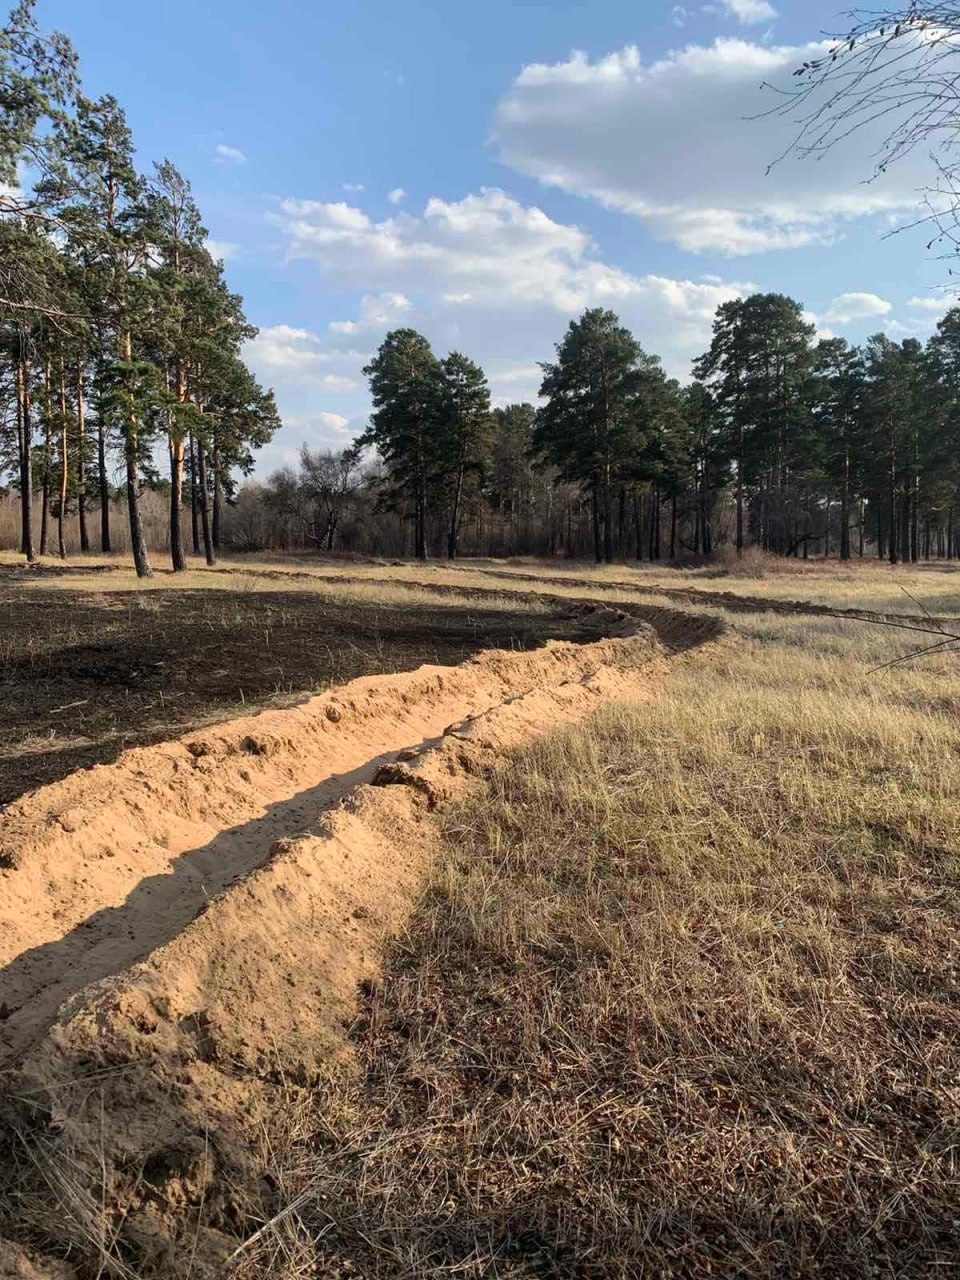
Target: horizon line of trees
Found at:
x=121, y=341
x=119, y=337
x=780, y=441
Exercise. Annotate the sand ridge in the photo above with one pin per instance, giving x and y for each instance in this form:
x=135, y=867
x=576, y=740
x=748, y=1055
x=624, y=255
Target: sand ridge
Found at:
x=194, y=921
x=100, y=869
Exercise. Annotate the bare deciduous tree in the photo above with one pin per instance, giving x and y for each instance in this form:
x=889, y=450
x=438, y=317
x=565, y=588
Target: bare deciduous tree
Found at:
x=896, y=69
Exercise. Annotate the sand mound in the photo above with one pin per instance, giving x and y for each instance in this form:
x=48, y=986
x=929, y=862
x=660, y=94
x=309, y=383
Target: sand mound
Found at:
x=17, y=1265
x=196, y=919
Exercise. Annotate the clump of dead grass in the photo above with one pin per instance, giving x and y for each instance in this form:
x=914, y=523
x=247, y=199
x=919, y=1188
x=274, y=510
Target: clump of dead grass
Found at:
x=683, y=998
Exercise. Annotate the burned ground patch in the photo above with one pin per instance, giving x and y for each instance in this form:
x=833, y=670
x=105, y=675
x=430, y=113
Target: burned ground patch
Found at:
x=84, y=676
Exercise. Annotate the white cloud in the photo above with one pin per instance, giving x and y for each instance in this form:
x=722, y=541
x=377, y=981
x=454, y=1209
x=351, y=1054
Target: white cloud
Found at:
x=377, y=311
x=353, y=187
x=221, y=250
x=335, y=421
x=745, y=11
x=684, y=143
x=230, y=155
x=822, y=333
x=512, y=383
x=679, y=15
x=856, y=306
x=344, y=218
x=936, y=305
x=494, y=277
x=521, y=373
x=282, y=353
x=397, y=195
x=485, y=275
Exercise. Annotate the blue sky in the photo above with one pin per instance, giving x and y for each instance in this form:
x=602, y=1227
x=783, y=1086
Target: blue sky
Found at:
x=482, y=172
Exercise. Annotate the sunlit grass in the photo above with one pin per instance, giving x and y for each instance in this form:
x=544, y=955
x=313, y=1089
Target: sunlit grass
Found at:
x=680, y=997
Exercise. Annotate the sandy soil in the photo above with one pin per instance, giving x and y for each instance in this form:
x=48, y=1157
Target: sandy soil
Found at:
x=17, y=1265
x=104, y=867
x=182, y=933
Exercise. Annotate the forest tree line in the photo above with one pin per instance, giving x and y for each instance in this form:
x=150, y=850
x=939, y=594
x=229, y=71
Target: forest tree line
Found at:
x=797, y=446
x=119, y=337
x=120, y=346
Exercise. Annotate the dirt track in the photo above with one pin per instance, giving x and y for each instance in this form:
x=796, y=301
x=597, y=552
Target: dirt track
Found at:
x=678, y=629
x=731, y=601
x=194, y=920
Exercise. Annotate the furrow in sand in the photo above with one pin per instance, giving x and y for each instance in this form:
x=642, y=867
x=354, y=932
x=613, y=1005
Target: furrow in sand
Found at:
x=152, y=1065
x=102, y=868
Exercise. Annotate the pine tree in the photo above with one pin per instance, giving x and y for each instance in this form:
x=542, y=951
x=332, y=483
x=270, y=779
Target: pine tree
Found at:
x=177, y=230
x=227, y=413
x=839, y=416
x=23, y=332
x=758, y=369
x=37, y=86
x=708, y=460
x=406, y=386
x=944, y=350
x=103, y=204
x=588, y=427
x=466, y=429
x=513, y=483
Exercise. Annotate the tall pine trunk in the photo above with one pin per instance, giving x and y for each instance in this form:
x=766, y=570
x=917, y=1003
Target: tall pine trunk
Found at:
x=861, y=529
x=906, y=524
x=892, y=481
x=25, y=450
x=453, y=535
x=915, y=522
x=673, y=526
x=81, y=462
x=64, y=466
x=706, y=533
x=607, y=519
x=217, y=502
x=194, y=497
x=845, y=511
x=141, y=560
x=104, y=485
x=177, y=558
x=131, y=455
x=420, y=519
x=45, y=480
x=739, y=467
x=204, y=495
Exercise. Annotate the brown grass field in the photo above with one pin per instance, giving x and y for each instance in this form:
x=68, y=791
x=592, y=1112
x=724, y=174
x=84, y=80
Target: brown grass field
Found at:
x=681, y=994
x=681, y=998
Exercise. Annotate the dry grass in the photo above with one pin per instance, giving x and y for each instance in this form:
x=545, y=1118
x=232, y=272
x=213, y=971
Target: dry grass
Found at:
x=681, y=998
x=867, y=585
x=871, y=586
